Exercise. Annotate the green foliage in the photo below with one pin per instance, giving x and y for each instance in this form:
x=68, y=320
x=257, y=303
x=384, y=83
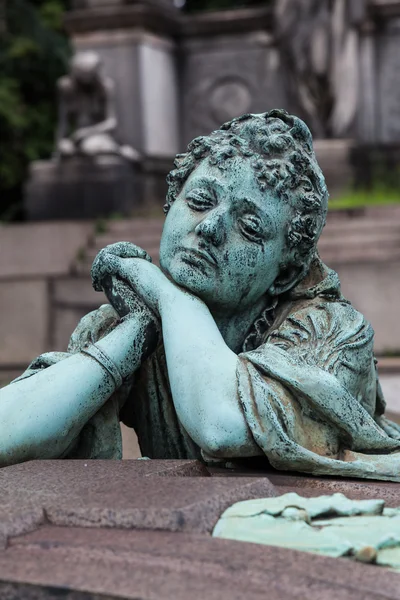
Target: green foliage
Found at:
x=34, y=52
x=378, y=194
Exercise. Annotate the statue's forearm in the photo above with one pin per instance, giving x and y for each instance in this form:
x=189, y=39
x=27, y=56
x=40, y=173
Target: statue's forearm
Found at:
x=40, y=416
x=202, y=374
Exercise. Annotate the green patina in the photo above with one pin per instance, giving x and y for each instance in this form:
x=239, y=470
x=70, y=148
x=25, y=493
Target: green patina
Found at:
x=330, y=525
x=240, y=346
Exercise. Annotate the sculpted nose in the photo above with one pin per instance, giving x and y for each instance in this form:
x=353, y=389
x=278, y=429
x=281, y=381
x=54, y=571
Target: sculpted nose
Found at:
x=212, y=228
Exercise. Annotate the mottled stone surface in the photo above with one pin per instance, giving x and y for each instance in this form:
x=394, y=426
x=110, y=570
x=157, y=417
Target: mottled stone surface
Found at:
x=84, y=188
x=124, y=493
x=150, y=565
x=74, y=475
x=352, y=488
x=19, y=518
x=309, y=486
x=108, y=559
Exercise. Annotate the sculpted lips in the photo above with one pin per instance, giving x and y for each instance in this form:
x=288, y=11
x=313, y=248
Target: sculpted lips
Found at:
x=201, y=253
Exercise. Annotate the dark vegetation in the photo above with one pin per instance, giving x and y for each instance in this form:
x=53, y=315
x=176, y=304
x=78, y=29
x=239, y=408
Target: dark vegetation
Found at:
x=34, y=52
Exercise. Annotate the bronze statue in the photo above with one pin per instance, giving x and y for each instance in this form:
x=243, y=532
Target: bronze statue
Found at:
x=241, y=346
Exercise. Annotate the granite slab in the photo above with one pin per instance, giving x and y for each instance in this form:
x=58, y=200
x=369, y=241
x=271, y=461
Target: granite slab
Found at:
x=113, y=494
x=67, y=474
x=309, y=486
x=55, y=562
x=355, y=489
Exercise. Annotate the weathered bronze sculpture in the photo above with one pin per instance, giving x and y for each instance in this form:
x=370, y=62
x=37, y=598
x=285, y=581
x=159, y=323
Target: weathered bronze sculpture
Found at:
x=240, y=346
x=87, y=116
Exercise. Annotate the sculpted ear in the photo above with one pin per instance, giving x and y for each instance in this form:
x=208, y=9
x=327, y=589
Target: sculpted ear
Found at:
x=288, y=278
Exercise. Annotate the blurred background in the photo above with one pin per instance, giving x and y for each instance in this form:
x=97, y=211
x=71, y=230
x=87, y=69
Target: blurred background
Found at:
x=97, y=97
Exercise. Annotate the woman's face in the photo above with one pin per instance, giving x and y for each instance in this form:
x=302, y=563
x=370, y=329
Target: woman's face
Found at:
x=224, y=239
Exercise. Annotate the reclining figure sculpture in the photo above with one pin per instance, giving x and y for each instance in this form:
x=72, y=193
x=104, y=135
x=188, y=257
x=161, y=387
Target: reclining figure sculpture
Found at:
x=240, y=346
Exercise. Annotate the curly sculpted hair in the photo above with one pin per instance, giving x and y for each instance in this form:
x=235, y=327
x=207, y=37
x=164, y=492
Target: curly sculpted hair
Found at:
x=282, y=156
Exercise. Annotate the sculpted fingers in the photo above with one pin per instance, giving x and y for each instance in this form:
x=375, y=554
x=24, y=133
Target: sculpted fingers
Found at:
x=104, y=265
x=107, y=261
x=93, y=327
x=127, y=250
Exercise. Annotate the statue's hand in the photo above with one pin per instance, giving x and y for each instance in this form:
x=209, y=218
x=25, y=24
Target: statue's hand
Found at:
x=103, y=263
x=92, y=327
x=125, y=263
x=119, y=291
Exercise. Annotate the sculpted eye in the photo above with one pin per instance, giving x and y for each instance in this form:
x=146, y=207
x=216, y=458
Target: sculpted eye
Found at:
x=251, y=228
x=199, y=199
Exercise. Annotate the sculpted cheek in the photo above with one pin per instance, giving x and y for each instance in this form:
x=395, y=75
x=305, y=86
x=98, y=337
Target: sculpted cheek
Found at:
x=249, y=258
x=244, y=268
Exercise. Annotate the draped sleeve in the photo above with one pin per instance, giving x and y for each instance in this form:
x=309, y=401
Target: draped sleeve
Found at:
x=311, y=397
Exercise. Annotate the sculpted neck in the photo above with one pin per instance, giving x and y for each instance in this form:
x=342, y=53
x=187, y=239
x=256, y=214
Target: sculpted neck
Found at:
x=235, y=326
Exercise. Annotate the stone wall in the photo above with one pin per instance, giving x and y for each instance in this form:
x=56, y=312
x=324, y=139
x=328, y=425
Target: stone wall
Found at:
x=33, y=258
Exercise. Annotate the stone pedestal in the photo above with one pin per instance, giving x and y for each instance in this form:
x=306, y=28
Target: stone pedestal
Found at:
x=141, y=529
x=82, y=188
x=136, y=41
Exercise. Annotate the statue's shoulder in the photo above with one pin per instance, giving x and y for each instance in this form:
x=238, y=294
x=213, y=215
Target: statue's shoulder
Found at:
x=323, y=321
x=337, y=313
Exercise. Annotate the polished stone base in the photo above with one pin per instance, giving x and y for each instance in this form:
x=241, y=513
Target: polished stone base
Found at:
x=141, y=529
x=82, y=188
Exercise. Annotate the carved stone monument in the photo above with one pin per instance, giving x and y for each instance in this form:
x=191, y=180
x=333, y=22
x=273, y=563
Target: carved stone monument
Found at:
x=332, y=62
x=91, y=174
x=319, y=45
x=240, y=347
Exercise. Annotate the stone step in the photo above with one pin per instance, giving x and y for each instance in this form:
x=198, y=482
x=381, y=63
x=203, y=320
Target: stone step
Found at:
x=389, y=239
x=142, y=227
x=128, y=226
x=142, y=239
x=361, y=227
x=344, y=254
x=375, y=212
x=151, y=230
